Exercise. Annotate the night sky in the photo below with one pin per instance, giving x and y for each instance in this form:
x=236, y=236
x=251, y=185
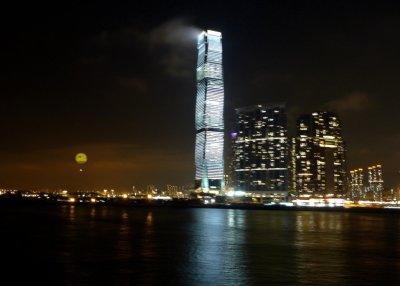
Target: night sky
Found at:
x=117, y=81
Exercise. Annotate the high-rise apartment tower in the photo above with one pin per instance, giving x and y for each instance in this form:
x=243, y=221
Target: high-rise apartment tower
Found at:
x=261, y=149
x=319, y=156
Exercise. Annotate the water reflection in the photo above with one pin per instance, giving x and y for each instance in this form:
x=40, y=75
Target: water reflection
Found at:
x=149, y=220
x=116, y=246
x=72, y=213
x=123, y=247
x=319, y=244
x=93, y=213
x=269, y=246
x=374, y=249
x=148, y=245
x=217, y=255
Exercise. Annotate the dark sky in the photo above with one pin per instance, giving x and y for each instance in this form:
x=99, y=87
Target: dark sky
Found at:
x=116, y=80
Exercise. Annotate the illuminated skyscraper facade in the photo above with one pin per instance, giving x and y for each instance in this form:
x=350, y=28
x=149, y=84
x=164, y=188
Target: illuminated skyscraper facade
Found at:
x=209, y=149
x=375, y=183
x=319, y=156
x=368, y=184
x=357, y=184
x=261, y=150
x=230, y=162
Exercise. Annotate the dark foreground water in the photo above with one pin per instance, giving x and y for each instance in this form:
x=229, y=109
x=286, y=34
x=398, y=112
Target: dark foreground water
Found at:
x=104, y=245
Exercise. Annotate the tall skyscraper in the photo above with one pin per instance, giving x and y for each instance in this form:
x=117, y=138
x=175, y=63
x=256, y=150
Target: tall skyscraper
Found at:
x=261, y=150
x=319, y=156
x=209, y=149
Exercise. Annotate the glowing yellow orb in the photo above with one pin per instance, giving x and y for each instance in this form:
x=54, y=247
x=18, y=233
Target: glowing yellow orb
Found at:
x=81, y=158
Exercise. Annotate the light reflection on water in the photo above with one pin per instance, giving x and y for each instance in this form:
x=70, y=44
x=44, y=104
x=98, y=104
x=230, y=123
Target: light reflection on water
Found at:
x=214, y=248
x=111, y=245
x=319, y=244
x=123, y=246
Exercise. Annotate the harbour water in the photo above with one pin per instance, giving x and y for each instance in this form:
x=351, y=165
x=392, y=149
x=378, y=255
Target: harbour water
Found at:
x=114, y=245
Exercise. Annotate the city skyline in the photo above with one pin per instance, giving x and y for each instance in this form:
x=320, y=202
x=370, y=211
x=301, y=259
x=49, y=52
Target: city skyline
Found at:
x=200, y=142
x=103, y=88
